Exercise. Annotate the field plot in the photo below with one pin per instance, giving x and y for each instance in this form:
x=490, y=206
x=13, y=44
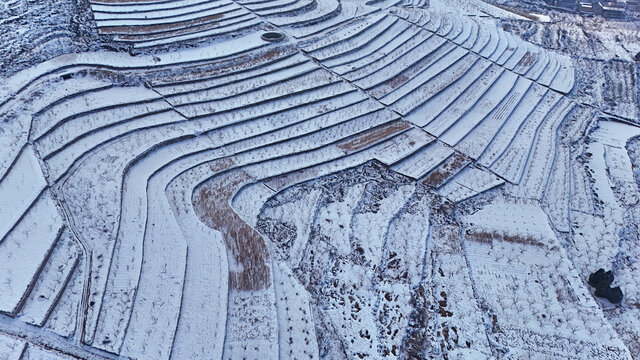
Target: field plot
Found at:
x=306, y=179
x=467, y=95
x=340, y=253
x=144, y=24
x=613, y=185
x=620, y=92
x=510, y=248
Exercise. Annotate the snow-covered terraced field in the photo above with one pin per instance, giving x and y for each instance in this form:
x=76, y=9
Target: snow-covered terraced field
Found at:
x=154, y=23
x=344, y=192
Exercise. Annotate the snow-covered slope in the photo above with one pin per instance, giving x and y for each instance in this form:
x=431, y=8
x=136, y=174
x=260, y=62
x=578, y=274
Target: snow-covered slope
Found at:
x=389, y=180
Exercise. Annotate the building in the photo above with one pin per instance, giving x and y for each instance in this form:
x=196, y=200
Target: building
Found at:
x=612, y=9
x=585, y=6
x=633, y=5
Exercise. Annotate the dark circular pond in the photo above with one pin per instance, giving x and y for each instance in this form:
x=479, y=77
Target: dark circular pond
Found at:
x=272, y=36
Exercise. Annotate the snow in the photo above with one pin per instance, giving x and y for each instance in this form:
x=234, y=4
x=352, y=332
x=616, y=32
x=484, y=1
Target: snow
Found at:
x=36, y=352
x=391, y=40
x=157, y=18
x=111, y=59
x=241, y=24
x=149, y=229
x=24, y=249
x=557, y=195
x=322, y=9
x=475, y=142
x=88, y=103
x=525, y=266
x=467, y=85
x=156, y=23
x=539, y=67
x=204, y=305
x=403, y=145
x=512, y=125
x=481, y=109
x=473, y=8
x=437, y=77
x=138, y=12
x=55, y=276
x=469, y=182
x=400, y=61
x=355, y=42
x=511, y=163
x=392, y=178
x=11, y=348
x=452, y=290
x=297, y=333
x=541, y=17
x=450, y=59
x=424, y=160
x=540, y=159
x=374, y=42
x=349, y=11
x=99, y=6
x=332, y=219
x=249, y=200
x=63, y=317
x=19, y=190
x=521, y=218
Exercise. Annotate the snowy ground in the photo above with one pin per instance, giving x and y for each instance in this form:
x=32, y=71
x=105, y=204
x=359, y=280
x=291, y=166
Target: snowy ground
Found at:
x=391, y=180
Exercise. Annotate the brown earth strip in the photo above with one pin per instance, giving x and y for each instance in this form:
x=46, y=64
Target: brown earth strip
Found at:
x=488, y=237
x=444, y=172
x=226, y=66
x=189, y=30
x=527, y=60
x=141, y=29
x=373, y=135
x=248, y=269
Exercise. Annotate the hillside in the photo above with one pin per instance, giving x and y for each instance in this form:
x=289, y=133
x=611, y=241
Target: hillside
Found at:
x=316, y=179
